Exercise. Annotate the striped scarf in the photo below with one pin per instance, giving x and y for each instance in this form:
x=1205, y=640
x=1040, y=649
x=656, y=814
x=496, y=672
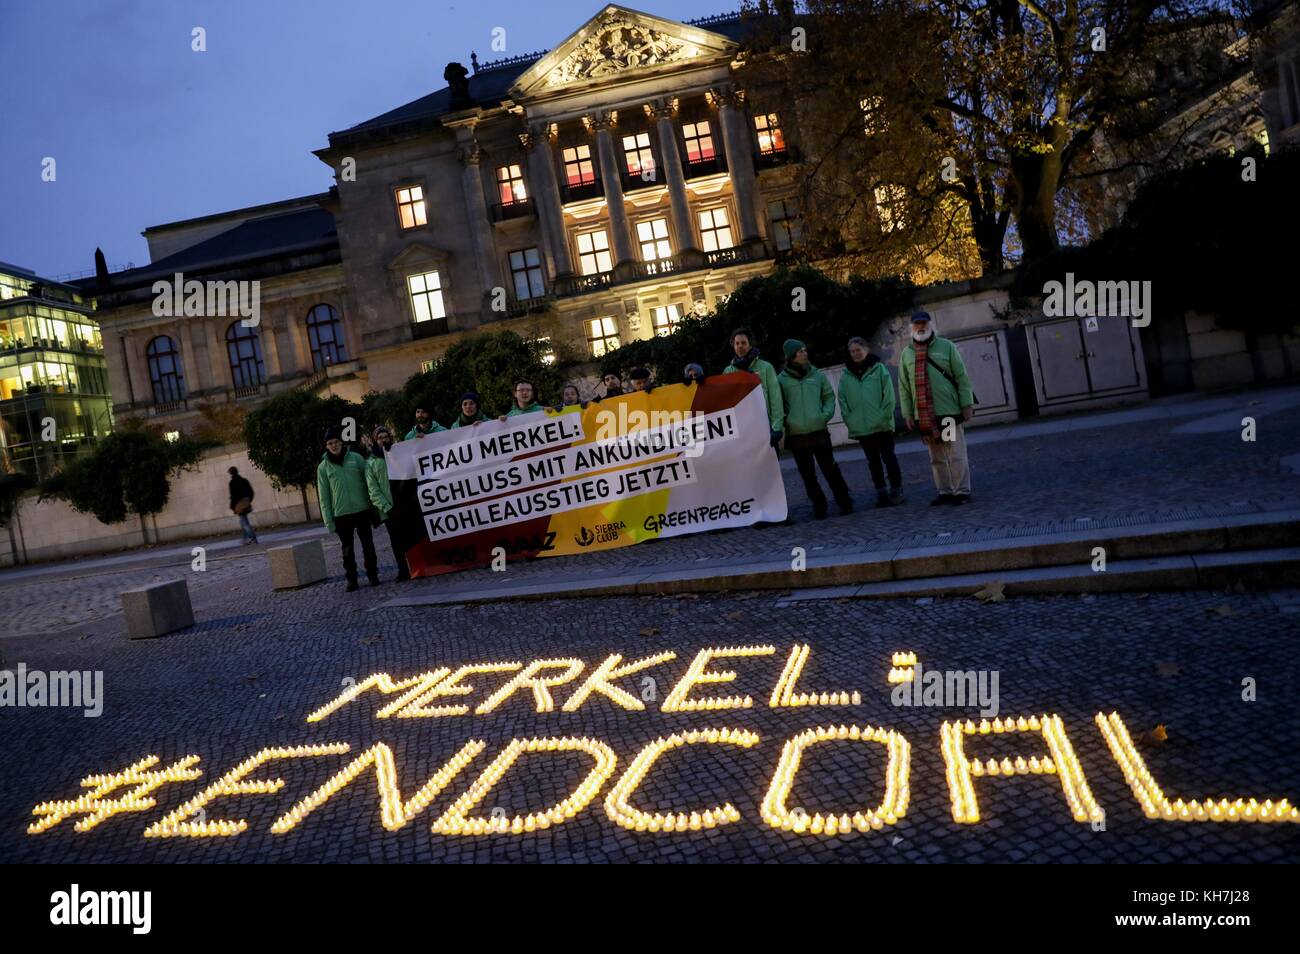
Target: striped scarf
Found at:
x=925, y=421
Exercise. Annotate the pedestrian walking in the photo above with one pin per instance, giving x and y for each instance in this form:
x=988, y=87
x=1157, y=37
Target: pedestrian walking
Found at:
x=867, y=406
x=809, y=404
x=345, y=504
x=936, y=399
x=241, y=504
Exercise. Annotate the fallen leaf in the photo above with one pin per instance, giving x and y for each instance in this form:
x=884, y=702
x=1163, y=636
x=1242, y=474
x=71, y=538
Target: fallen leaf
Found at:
x=1168, y=668
x=370, y=640
x=1157, y=736
x=991, y=593
x=736, y=617
x=649, y=631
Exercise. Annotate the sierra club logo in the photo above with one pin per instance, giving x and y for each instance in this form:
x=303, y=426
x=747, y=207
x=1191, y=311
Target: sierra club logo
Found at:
x=605, y=533
x=584, y=539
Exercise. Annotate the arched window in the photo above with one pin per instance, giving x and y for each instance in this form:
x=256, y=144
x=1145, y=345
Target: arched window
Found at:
x=166, y=373
x=245, y=351
x=325, y=332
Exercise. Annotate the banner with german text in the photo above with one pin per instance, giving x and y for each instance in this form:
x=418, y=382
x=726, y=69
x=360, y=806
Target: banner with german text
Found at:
x=679, y=459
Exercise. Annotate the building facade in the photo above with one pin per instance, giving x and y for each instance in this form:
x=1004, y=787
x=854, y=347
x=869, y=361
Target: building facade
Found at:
x=54, y=385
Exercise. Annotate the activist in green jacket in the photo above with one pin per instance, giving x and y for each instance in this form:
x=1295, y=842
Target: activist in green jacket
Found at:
x=377, y=488
x=808, y=397
x=470, y=412
x=948, y=399
x=530, y=409
x=341, y=487
x=419, y=430
x=867, y=398
x=748, y=359
x=463, y=421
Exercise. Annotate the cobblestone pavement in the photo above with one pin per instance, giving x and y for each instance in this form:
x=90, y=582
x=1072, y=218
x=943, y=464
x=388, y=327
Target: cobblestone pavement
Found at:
x=1131, y=473
x=247, y=676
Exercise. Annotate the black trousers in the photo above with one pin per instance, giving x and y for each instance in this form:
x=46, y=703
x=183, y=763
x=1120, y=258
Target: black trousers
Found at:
x=346, y=526
x=808, y=448
x=397, y=540
x=881, y=458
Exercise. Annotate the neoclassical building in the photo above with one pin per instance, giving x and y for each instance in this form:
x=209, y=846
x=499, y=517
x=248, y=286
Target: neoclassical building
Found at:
x=588, y=196
x=591, y=195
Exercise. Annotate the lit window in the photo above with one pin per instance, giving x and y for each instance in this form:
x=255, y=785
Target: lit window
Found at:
x=578, y=169
x=410, y=206
x=526, y=270
x=715, y=230
x=427, y=366
x=172, y=436
x=602, y=335
x=653, y=236
x=784, y=214
x=665, y=319
x=593, y=253
x=426, y=296
x=890, y=201
x=510, y=185
x=771, y=141
x=545, y=351
x=699, y=141
x=873, y=115
x=636, y=149
x=165, y=370
x=245, y=353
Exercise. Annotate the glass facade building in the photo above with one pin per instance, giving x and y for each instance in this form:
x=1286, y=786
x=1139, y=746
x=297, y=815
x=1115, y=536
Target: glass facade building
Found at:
x=54, y=399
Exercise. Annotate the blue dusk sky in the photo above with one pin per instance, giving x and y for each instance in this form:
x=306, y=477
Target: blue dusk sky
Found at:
x=144, y=130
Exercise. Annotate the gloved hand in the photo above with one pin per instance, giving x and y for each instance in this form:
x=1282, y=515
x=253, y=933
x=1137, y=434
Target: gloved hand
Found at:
x=776, y=437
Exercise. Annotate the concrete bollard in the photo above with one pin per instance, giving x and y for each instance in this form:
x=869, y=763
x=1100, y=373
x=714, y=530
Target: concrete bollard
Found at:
x=297, y=565
x=157, y=609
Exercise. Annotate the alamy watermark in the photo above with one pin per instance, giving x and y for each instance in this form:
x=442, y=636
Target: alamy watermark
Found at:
x=177, y=298
x=949, y=687
x=36, y=688
x=1089, y=299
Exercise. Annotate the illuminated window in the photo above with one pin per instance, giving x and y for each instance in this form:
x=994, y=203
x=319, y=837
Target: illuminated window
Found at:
x=172, y=436
x=873, y=115
x=593, y=253
x=426, y=366
x=526, y=270
x=699, y=141
x=602, y=335
x=426, y=296
x=578, y=170
x=510, y=185
x=637, y=152
x=665, y=319
x=890, y=201
x=410, y=206
x=166, y=373
x=715, y=230
x=771, y=141
x=325, y=334
x=544, y=350
x=245, y=353
x=653, y=236
x=784, y=214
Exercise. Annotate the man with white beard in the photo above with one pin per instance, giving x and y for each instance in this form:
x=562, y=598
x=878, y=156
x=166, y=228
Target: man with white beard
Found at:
x=936, y=399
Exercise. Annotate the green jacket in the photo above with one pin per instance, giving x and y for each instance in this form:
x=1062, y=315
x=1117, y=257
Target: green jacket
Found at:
x=809, y=401
x=948, y=401
x=434, y=428
x=867, y=402
x=341, y=488
x=380, y=493
x=771, y=391
x=517, y=410
x=456, y=423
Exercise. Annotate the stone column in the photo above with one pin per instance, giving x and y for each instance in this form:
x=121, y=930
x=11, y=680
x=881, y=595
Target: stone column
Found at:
x=611, y=171
x=688, y=251
x=266, y=336
x=184, y=331
x=136, y=363
x=218, y=355
x=740, y=160
x=546, y=195
x=480, y=226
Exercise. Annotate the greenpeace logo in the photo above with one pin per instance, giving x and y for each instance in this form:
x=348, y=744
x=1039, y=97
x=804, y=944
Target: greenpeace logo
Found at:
x=77, y=907
x=1089, y=299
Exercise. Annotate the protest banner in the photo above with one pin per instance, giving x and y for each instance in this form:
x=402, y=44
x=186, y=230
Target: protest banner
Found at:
x=637, y=467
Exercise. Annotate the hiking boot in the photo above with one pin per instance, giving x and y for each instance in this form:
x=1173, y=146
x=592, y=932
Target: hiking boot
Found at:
x=351, y=587
x=846, y=508
x=896, y=496
x=374, y=580
x=882, y=499
x=819, y=514
x=959, y=499
x=941, y=500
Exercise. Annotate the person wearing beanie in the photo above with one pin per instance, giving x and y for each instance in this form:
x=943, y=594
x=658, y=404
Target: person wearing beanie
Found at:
x=345, y=504
x=525, y=401
x=867, y=406
x=748, y=359
x=936, y=399
x=693, y=374
x=570, y=396
x=241, y=504
x=470, y=412
x=640, y=378
x=380, y=491
x=613, y=385
x=424, y=424
x=809, y=404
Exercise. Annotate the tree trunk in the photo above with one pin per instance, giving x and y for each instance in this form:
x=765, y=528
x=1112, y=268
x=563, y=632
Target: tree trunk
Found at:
x=306, y=506
x=989, y=235
x=1037, y=178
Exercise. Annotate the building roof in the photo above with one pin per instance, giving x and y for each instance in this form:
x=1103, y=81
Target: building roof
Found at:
x=490, y=86
x=272, y=235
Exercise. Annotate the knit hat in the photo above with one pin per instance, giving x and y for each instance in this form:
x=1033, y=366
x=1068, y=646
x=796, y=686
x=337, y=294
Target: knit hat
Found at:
x=693, y=367
x=469, y=396
x=374, y=431
x=639, y=374
x=334, y=432
x=792, y=347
